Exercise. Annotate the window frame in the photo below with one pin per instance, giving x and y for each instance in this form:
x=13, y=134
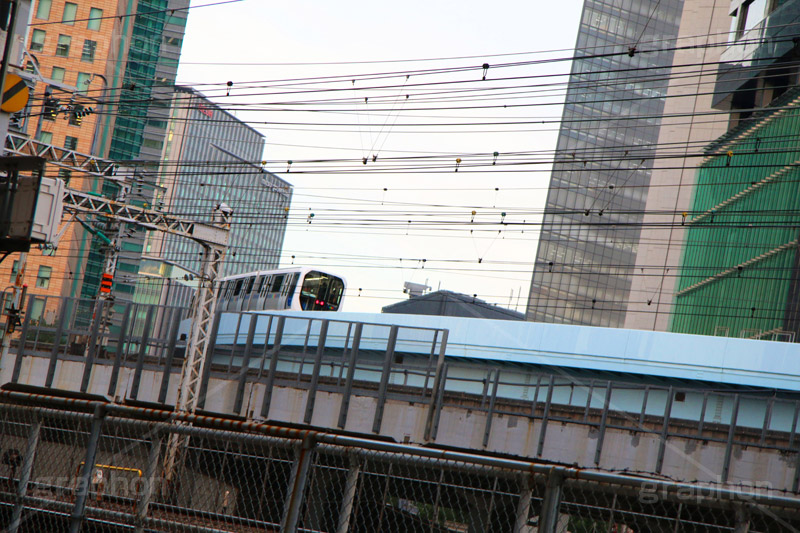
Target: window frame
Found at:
x=62, y=71
x=69, y=21
x=43, y=16
x=63, y=48
x=35, y=45
x=91, y=46
x=94, y=19
x=43, y=282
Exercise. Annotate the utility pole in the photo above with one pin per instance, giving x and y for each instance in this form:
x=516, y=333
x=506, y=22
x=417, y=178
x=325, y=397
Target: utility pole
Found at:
x=10, y=12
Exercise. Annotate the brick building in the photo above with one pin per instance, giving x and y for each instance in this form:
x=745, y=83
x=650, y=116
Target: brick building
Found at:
x=95, y=54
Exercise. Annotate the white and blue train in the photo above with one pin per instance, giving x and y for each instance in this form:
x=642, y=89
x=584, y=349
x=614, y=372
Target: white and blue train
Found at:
x=296, y=288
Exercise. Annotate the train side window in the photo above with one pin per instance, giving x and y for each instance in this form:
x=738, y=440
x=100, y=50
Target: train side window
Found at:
x=238, y=287
x=277, y=281
x=290, y=285
x=259, y=285
x=248, y=284
x=265, y=286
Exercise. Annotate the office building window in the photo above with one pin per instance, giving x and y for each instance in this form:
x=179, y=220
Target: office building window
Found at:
x=70, y=10
x=43, y=9
x=89, y=48
x=62, y=48
x=37, y=40
x=45, y=137
x=84, y=80
x=43, y=277
x=70, y=143
x=29, y=67
x=58, y=74
x=95, y=16
x=14, y=270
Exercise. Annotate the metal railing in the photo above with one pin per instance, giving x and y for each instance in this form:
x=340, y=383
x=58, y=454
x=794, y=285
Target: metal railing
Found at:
x=78, y=464
x=392, y=363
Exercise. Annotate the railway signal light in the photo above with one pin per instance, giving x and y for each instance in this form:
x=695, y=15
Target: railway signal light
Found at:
x=105, y=283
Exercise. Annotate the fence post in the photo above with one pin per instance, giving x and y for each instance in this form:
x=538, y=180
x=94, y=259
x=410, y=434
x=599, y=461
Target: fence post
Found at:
x=726, y=464
x=297, y=486
x=273, y=365
x=173, y=338
x=352, y=361
x=349, y=497
x=248, y=350
x=545, y=415
x=126, y=317
x=148, y=481
x=82, y=487
x=742, y=520
x=662, y=442
x=312, y=388
x=524, y=507
x=25, y=475
x=548, y=519
x=437, y=390
x=603, y=421
x=51, y=368
x=384, y=386
x=488, y=426
x=92, y=347
x=22, y=337
x=143, y=342
x=437, y=413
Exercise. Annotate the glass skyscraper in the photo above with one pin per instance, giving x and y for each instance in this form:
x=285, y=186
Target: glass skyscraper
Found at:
x=604, y=155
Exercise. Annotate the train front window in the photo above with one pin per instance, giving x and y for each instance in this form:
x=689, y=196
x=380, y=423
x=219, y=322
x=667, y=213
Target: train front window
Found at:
x=321, y=292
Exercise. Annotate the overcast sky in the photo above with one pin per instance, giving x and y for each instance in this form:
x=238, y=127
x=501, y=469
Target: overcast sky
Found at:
x=467, y=253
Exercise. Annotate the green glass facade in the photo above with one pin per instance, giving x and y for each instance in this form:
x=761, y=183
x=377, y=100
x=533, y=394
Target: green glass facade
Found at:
x=153, y=51
x=739, y=271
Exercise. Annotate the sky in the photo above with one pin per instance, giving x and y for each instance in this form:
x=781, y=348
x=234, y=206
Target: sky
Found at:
x=380, y=228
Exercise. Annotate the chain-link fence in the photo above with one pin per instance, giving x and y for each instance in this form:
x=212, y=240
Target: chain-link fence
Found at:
x=80, y=465
x=380, y=379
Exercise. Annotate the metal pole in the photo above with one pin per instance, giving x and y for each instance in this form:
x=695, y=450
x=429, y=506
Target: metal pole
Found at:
x=273, y=366
x=173, y=337
x=144, y=341
x=22, y=337
x=120, y=351
x=349, y=497
x=149, y=480
x=662, y=442
x=351, y=371
x=384, y=385
x=545, y=415
x=488, y=426
x=312, y=388
x=524, y=507
x=248, y=350
x=25, y=475
x=51, y=368
x=82, y=488
x=603, y=421
x=437, y=391
x=742, y=520
x=548, y=519
x=90, y=349
x=726, y=464
x=297, y=486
